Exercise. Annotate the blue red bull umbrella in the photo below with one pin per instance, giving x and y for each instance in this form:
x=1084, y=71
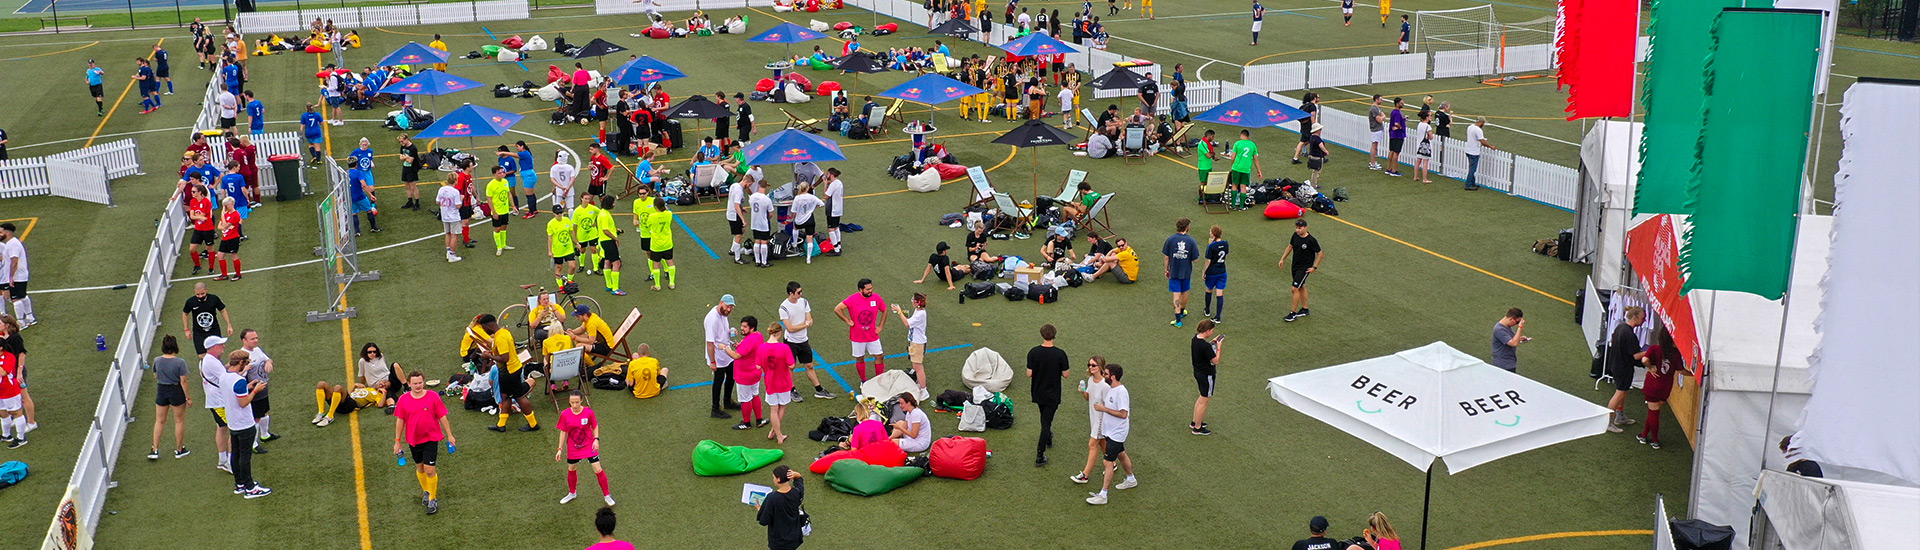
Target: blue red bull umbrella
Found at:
x=792, y=146
x=644, y=70
x=787, y=33
x=1037, y=44
x=414, y=54
x=471, y=121
x=931, y=89
x=430, y=82
x=1251, y=110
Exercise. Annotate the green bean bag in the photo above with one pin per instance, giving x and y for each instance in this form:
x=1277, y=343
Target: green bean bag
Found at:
x=713, y=459
x=819, y=65
x=852, y=476
x=492, y=50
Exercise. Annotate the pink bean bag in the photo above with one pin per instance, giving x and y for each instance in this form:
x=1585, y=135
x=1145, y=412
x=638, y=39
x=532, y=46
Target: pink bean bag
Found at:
x=958, y=457
x=828, y=87
x=820, y=466
x=841, y=26
x=806, y=84
x=318, y=48
x=1282, y=210
x=879, y=453
x=889, y=27
x=656, y=33
x=513, y=42
x=765, y=85
x=950, y=171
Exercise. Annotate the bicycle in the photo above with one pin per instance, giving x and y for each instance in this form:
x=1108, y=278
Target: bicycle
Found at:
x=520, y=315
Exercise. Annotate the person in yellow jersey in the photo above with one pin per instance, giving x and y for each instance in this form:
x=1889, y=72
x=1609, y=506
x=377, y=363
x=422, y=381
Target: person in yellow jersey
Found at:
x=660, y=242
x=642, y=210
x=609, y=245
x=497, y=345
x=593, y=333
x=441, y=45
x=500, y=193
x=1386, y=8
x=335, y=400
x=586, y=233
x=553, y=339
x=545, y=312
x=645, y=376
x=560, y=246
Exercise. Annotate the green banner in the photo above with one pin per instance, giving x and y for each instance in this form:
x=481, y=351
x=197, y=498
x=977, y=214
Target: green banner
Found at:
x=1672, y=97
x=1752, y=150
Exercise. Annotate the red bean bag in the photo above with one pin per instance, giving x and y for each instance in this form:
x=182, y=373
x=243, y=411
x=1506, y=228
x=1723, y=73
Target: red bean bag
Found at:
x=879, y=453
x=765, y=85
x=820, y=466
x=841, y=26
x=950, y=171
x=513, y=42
x=806, y=84
x=958, y=457
x=1282, y=210
x=318, y=48
x=655, y=32
x=889, y=27
x=828, y=87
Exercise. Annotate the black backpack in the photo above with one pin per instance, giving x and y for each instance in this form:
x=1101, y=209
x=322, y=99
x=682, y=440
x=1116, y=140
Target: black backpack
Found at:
x=609, y=382
x=999, y=416
x=976, y=291
x=951, y=400
x=1043, y=293
x=1014, y=293
x=832, y=428
x=858, y=130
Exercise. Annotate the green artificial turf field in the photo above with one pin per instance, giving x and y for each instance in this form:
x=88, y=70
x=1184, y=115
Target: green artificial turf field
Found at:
x=1406, y=265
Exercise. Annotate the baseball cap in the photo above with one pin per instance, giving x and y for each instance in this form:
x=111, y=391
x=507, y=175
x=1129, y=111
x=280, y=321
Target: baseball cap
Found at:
x=942, y=247
x=1301, y=222
x=212, y=341
x=581, y=309
x=726, y=299
x=1318, y=524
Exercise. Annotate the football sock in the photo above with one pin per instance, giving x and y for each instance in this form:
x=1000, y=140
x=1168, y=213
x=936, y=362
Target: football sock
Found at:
x=860, y=366
x=196, y=259
x=1220, y=308
x=531, y=201
x=433, y=486
x=422, y=478
x=613, y=279
x=236, y=267
x=465, y=234
x=169, y=85
x=530, y=421
x=499, y=240
x=573, y=481
x=604, y=489
x=672, y=275
x=879, y=366
x=503, y=418
x=655, y=271
x=1207, y=307
x=320, y=402
x=223, y=267
x=265, y=422
x=1652, y=430
x=100, y=105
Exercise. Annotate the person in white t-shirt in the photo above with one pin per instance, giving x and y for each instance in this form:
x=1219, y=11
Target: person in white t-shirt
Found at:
x=229, y=109
x=1117, y=407
x=1066, y=105
x=804, y=205
x=1094, y=389
x=448, y=198
x=1476, y=142
x=736, y=216
x=836, y=196
x=563, y=173
x=14, y=272
x=912, y=431
x=260, y=369
x=760, y=208
x=916, y=336
x=796, y=316
x=239, y=396
x=211, y=370
x=719, y=338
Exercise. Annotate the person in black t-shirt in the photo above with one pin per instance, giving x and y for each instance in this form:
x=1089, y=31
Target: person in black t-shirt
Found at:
x=1316, y=152
x=1306, y=259
x=942, y=267
x=1059, y=249
x=1319, y=540
x=199, y=317
x=1206, y=361
x=977, y=244
x=1149, y=91
x=1443, y=127
x=1047, y=366
x=1098, y=250
x=1623, y=352
x=1309, y=104
x=1216, y=276
x=786, y=522
x=410, y=172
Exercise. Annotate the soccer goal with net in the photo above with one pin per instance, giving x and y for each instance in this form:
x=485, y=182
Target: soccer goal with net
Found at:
x=1473, y=42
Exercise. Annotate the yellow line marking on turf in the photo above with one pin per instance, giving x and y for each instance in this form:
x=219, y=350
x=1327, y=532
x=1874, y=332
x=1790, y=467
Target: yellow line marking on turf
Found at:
x=353, y=420
x=1561, y=535
x=1415, y=247
x=95, y=43
x=31, y=221
x=116, y=106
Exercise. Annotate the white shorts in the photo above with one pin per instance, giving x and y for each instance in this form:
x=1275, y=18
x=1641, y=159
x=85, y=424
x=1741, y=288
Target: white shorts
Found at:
x=864, y=349
x=1403, y=46
x=10, y=403
x=1346, y=11
x=780, y=398
x=745, y=392
x=1256, y=26
x=451, y=228
x=1378, y=136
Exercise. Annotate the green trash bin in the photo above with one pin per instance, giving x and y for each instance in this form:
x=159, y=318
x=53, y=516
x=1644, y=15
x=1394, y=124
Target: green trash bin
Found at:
x=286, y=174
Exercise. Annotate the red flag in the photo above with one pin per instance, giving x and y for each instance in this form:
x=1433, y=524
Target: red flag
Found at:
x=1597, y=43
x=1652, y=250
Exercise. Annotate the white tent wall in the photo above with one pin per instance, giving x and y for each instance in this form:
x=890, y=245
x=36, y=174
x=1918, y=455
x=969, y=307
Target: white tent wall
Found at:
x=1609, y=171
x=1802, y=513
x=1741, y=333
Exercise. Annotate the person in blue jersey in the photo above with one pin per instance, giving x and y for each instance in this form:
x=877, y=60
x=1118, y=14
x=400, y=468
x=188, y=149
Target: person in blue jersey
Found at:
x=310, y=122
x=96, y=86
x=528, y=177
x=256, y=113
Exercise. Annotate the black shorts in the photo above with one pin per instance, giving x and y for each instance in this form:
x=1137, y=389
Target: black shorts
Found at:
x=806, y=228
x=347, y=405
x=1300, y=276
x=735, y=227
x=1306, y=135
x=261, y=406
x=98, y=90
x=500, y=221
x=426, y=453
x=17, y=290
x=833, y=222
x=228, y=123
x=600, y=349
x=1622, y=376
x=562, y=260
x=1114, y=448
x=513, y=385
x=744, y=131
x=163, y=71
x=218, y=420
x=720, y=131
x=610, y=250
x=230, y=246
x=410, y=175
x=170, y=395
x=202, y=237
x=466, y=213
x=660, y=255
x=596, y=189
x=199, y=341
x=595, y=459
x=595, y=243
x=646, y=244
x=762, y=235
x=802, y=352
x=1394, y=144
x=1205, y=381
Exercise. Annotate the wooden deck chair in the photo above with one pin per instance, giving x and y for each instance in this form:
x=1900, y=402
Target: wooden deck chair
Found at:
x=1022, y=217
x=574, y=375
x=1213, y=195
x=1179, y=140
x=983, y=192
x=940, y=64
x=893, y=114
x=1072, y=187
x=621, y=352
x=795, y=122
x=1134, y=145
x=1097, y=216
x=708, y=177
x=1092, y=123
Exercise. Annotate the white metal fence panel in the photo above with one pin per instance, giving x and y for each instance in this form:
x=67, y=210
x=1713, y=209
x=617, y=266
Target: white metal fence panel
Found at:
x=23, y=177
x=270, y=22
x=209, y=117
x=77, y=180
x=501, y=10
x=1456, y=63
x=119, y=158
x=1546, y=182
x=1399, y=68
x=1203, y=95
x=375, y=16
x=1323, y=73
x=265, y=146
x=1276, y=77
x=1521, y=59
x=431, y=14
x=722, y=4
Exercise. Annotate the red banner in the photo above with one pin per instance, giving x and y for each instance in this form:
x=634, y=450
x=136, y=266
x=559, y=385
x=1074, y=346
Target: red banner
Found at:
x=1653, y=250
x=1597, y=46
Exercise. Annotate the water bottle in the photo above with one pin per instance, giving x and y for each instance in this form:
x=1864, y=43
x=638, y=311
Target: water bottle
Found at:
x=402, y=457
x=99, y=342
x=450, y=449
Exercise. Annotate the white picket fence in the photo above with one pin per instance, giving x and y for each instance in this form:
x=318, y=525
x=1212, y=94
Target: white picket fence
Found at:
x=55, y=174
x=385, y=16
x=265, y=145
x=210, y=104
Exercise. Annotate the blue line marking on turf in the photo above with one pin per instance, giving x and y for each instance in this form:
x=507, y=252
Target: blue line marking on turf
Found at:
x=1878, y=52
x=490, y=34
x=696, y=237
x=829, y=368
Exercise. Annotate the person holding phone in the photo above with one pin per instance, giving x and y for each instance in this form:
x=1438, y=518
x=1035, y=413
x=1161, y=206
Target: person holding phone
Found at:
x=786, y=522
x=1206, y=361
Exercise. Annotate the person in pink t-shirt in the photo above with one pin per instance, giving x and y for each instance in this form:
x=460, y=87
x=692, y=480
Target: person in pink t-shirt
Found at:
x=1380, y=534
x=580, y=440
x=604, y=521
x=746, y=373
x=776, y=367
x=865, y=315
x=420, y=421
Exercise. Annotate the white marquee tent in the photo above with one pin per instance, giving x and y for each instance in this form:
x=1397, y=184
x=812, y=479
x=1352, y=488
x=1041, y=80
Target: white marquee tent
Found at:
x=1803, y=513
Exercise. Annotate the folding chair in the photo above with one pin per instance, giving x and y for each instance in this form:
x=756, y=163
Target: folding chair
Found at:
x=893, y=114
x=1097, y=216
x=1179, y=141
x=1092, y=123
x=982, y=189
x=940, y=64
x=1022, y=217
x=567, y=368
x=1134, y=145
x=1213, y=195
x=620, y=351
x=1072, y=187
x=795, y=122
x=708, y=177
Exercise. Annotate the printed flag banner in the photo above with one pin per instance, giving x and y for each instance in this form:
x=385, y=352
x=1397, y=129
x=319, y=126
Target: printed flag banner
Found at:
x=1653, y=251
x=1752, y=150
x=1597, y=46
x=1673, y=100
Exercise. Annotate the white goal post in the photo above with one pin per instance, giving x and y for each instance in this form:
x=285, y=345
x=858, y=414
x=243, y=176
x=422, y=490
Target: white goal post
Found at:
x=1500, y=48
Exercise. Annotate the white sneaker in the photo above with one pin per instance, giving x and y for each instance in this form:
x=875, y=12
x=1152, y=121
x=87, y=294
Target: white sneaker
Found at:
x=1614, y=428
x=223, y=467
x=568, y=498
x=608, y=498
x=498, y=251
x=316, y=418
x=30, y=429
x=325, y=421
x=1128, y=484
x=452, y=258
x=1077, y=478
x=1097, y=499
x=509, y=247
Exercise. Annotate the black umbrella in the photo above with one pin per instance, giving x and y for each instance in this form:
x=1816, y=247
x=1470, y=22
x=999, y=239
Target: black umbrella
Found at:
x=1035, y=133
x=859, y=63
x=955, y=27
x=699, y=108
x=597, y=48
x=1119, y=79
